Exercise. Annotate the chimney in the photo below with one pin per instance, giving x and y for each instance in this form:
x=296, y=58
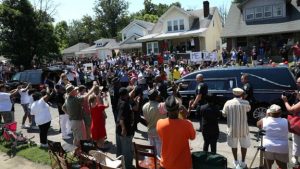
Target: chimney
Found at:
x=298, y=2
x=206, y=8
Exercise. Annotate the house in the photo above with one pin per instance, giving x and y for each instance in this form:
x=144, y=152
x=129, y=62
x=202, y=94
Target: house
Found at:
x=102, y=48
x=69, y=53
x=266, y=24
x=130, y=34
x=182, y=32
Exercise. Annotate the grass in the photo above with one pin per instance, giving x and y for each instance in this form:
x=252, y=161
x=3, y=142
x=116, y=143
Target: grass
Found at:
x=32, y=153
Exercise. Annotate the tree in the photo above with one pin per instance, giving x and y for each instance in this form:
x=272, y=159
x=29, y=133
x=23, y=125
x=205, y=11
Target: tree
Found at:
x=25, y=33
x=223, y=11
x=17, y=31
x=61, y=32
x=111, y=16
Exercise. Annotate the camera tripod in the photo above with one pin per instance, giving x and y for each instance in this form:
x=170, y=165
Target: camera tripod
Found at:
x=259, y=149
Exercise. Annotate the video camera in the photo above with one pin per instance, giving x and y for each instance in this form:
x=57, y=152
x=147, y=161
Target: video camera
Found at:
x=260, y=134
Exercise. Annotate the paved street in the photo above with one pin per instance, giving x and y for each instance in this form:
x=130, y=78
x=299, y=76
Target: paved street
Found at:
x=140, y=137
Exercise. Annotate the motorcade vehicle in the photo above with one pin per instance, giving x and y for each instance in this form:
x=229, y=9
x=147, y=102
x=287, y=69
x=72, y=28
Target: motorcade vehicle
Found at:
x=35, y=77
x=268, y=83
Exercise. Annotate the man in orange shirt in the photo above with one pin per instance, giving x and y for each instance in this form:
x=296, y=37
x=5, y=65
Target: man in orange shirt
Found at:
x=175, y=135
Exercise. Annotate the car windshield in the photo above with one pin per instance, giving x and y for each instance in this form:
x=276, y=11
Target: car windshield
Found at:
x=34, y=78
x=16, y=77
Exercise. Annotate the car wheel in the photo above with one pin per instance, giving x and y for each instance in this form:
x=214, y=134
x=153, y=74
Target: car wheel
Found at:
x=259, y=112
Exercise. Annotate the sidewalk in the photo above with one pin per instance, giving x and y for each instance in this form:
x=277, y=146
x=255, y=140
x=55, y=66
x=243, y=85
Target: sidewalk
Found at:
x=18, y=162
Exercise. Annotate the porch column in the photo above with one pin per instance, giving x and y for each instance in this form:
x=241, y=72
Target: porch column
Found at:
x=229, y=44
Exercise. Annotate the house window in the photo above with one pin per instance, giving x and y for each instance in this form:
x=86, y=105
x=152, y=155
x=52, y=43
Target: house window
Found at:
x=169, y=26
x=268, y=11
x=181, y=24
x=277, y=10
x=175, y=25
x=259, y=12
x=152, y=47
x=249, y=14
x=124, y=36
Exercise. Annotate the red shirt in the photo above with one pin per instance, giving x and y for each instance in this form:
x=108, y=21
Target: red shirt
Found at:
x=296, y=50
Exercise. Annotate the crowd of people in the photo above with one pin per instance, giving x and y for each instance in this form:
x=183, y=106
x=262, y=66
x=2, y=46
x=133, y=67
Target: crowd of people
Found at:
x=137, y=91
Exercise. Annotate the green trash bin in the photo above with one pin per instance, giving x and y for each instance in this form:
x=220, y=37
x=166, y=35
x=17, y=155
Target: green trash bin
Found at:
x=208, y=160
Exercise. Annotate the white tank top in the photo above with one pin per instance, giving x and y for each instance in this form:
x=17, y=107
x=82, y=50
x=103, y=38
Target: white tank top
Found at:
x=276, y=138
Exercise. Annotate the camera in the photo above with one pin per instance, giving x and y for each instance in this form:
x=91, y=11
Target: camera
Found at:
x=288, y=93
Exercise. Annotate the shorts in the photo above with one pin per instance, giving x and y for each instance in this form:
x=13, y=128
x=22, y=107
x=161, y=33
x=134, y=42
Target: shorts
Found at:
x=26, y=108
x=245, y=142
x=277, y=156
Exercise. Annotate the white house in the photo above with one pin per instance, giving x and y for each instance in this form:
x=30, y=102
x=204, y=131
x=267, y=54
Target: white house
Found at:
x=69, y=53
x=101, y=49
x=181, y=31
x=130, y=34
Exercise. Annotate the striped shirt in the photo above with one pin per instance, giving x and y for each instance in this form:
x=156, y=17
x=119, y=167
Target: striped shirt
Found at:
x=236, y=111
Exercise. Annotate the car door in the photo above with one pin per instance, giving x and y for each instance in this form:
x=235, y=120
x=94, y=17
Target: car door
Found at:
x=221, y=88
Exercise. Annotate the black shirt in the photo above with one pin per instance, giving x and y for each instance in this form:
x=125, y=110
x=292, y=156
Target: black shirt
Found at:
x=203, y=90
x=60, y=100
x=248, y=91
x=210, y=115
x=126, y=114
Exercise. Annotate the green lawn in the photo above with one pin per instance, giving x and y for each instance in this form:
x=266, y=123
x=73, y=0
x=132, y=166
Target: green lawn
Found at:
x=32, y=153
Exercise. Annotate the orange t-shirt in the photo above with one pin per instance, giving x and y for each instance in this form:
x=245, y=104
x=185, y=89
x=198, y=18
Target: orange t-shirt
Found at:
x=175, y=135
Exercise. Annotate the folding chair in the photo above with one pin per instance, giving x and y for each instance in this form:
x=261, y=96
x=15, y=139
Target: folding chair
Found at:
x=145, y=157
x=57, y=156
x=106, y=162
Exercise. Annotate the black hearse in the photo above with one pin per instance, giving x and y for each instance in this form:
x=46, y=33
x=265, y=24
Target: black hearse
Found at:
x=268, y=83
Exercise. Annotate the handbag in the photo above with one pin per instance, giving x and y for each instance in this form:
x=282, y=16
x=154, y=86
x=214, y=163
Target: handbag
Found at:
x=294, y=124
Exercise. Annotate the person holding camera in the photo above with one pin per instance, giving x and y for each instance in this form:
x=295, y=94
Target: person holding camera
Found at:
x=294, y=109
x=275, y=140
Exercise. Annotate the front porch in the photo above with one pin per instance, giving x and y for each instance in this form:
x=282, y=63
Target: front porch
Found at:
x=181, y=47
x=270, y=43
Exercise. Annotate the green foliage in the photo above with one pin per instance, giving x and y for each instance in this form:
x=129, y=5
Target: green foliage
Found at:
x=111, y=16
x=61, y=32
x=25, y=33
x=147, y=17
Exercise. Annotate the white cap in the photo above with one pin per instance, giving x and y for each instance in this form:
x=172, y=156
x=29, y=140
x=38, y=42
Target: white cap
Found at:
x=237, y=91
x=274, y=108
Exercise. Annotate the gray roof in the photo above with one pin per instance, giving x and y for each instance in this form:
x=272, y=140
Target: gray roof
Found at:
x=236, y=26
x=146, y=25
x=76, y=48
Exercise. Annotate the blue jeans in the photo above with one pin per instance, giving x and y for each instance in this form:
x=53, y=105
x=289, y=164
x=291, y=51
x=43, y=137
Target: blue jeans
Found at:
x=155, y=141
x=124, y=147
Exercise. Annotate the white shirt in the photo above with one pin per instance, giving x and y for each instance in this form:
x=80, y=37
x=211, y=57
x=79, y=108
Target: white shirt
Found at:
x=25, y=98
x=5, y=102
x=40, y=109
x=276, y=138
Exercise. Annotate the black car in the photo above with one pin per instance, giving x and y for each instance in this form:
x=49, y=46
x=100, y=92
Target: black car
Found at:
x=268, y=83
x=35, y=77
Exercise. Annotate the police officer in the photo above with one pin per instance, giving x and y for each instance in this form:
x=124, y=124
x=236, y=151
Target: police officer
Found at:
x=201, y=93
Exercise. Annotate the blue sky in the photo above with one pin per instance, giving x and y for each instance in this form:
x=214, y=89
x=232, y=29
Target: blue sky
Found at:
x=75, y=9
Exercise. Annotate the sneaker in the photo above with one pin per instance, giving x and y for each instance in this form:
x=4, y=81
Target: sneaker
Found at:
x=34, y=127
x=44, y=145
x=235, y=164
x=24, y=126
x=243, y=164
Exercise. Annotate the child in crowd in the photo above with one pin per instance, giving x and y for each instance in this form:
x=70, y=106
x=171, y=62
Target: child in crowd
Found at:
x=98, y=121
x=25, y=100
